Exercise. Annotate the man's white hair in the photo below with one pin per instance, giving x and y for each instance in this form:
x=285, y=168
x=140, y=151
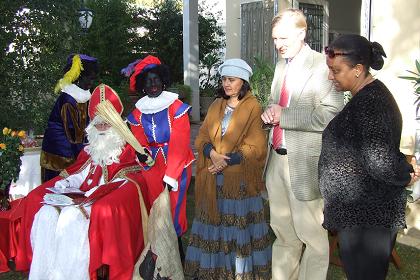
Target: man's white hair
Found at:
x=104, y=147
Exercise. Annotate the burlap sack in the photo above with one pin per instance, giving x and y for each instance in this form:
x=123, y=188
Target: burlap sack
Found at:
x=160, y=258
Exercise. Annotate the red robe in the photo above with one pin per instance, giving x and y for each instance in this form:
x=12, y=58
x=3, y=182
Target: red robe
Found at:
x=115, y=230
x=9, y=226
x=166, y=134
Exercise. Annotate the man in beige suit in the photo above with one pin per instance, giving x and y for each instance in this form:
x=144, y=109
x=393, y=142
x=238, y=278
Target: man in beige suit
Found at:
x=303, y=102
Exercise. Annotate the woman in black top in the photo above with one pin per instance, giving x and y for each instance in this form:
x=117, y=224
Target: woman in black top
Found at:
x=362, y=172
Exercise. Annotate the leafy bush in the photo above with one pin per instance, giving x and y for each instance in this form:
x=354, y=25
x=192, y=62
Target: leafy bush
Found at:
x=11, y=149
x=184, y=92
x=163, y=26
x=37, y=36
x=416, y=84
x=209, y=77
x=261, y=80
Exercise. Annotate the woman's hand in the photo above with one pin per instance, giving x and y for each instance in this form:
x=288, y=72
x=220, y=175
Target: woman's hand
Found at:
x=416, y=175
x=219, y=162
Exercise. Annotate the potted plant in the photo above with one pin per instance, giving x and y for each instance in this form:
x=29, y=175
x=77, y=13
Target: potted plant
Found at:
x=183, y=91
x=209, y=80
x=415, y=78
x=261, y=80
x=207, y=96
x=416, y=84
x=11, y=149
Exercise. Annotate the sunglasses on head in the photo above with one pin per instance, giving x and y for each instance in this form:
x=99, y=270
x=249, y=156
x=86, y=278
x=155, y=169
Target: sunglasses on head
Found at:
x=331, y=54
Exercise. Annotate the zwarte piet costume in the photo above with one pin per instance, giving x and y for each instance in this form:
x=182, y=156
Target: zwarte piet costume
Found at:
x=161, y=124
x=64, y=136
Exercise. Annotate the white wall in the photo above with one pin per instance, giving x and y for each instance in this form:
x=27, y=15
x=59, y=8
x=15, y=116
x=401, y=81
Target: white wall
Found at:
x=396, y=26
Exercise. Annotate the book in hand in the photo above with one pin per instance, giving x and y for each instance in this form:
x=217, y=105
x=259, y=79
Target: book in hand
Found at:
x=57, y=199
x=100, y=192
x=63, y=197
x=73, y=197
x=65, y=190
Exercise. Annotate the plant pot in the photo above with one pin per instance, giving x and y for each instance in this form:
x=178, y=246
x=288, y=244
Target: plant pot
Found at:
x=205, y=102
x=183, y=91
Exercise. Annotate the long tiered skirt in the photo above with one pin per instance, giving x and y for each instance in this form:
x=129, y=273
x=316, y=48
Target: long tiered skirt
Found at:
x=237, y=248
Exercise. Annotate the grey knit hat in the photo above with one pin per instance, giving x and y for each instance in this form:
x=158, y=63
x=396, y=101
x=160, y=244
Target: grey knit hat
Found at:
x=236, y=67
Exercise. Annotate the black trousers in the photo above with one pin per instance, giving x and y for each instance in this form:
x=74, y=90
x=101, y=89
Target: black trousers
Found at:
x=365, y=252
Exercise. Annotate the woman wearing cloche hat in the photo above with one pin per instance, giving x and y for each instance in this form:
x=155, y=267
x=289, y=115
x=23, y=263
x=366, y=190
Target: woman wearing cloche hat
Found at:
x=229, y=236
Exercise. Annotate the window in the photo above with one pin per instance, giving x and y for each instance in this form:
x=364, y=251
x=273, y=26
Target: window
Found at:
x=315, y=19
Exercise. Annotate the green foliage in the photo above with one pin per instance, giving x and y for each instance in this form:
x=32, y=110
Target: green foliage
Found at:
x=111, y=38
x=163, y=38
x=261, y=80
x=37, y=36
x=11, y=149
x=184, y=92
x=415, y=79
x=163, y=25
x=208, y=80
x=34, y=40
x=211, y=36
x=208, y=92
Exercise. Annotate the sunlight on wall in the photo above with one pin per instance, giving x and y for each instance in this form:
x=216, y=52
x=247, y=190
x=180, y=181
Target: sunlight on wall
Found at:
x=396, y=26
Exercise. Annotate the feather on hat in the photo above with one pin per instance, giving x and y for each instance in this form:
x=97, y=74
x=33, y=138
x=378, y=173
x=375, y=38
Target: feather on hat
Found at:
x=137, y=67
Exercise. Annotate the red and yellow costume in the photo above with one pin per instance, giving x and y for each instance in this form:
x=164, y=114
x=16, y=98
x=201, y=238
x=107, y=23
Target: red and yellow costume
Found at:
x=161, y=124
x=115, y=230
x=115, y=221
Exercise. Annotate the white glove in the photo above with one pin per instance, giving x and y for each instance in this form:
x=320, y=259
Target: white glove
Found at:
x=62, y=184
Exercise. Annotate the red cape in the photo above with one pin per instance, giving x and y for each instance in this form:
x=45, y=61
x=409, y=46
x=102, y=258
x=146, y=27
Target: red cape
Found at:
x=115, y=231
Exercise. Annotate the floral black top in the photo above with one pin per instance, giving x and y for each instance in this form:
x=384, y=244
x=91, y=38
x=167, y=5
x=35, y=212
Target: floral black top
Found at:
x=362, y=172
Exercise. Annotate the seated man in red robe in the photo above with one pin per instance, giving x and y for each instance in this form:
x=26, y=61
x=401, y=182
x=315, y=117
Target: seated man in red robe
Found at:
x=68, y=238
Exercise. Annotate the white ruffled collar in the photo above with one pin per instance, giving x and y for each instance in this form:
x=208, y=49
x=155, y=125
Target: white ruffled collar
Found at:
x=148, y=105
x=81, y=95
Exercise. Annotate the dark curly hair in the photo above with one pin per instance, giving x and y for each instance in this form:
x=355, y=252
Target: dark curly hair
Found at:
x=220, y=92
x=161, y=70
x=359, y=51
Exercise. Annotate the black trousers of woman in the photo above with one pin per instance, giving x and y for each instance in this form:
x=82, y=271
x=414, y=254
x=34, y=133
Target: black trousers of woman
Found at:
x=365, y=252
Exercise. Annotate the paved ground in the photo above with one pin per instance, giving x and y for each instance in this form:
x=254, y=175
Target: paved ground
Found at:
x=410, y=236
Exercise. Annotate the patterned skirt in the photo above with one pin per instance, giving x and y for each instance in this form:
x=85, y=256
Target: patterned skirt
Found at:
x=237, y=248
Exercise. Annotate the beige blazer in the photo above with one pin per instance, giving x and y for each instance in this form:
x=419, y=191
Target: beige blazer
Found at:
x=313, y=103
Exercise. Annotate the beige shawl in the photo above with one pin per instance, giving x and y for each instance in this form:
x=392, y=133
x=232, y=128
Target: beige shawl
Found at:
x=245, y=135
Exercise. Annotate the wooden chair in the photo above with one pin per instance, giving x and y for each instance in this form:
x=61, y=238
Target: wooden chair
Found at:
x=335, y=258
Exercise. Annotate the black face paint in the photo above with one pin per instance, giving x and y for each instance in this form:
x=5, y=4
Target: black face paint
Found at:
x=153, y=87
x=86, y=81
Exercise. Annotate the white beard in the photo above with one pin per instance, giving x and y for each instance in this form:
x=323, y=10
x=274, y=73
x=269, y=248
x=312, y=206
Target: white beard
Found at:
x=105, y=147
